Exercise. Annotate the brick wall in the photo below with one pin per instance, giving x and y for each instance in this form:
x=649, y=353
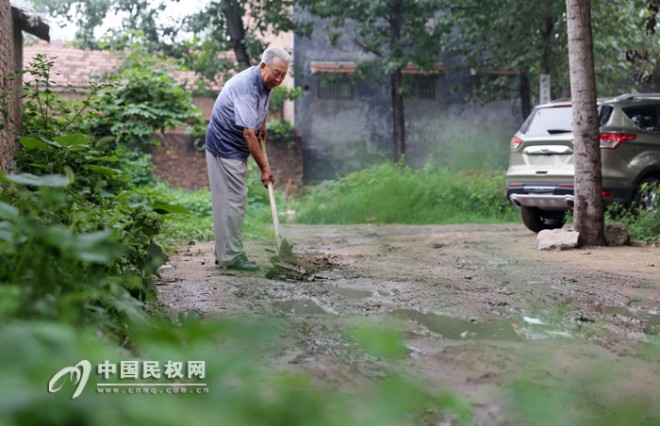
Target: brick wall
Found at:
x=287, y=163
x=180, y=163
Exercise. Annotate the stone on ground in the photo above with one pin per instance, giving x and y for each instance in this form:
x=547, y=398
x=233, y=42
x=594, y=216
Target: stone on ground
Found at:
x=562, y=239
x=616, y=235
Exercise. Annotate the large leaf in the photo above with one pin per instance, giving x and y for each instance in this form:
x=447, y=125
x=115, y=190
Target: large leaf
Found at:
x=111, y=158
x=95, y=247
x=164, y=208
x=69, y=140
x=103, y=171
x=31, y=143
x=6, y=231
x=8, y=212
x=30, y=179
x=133, y=200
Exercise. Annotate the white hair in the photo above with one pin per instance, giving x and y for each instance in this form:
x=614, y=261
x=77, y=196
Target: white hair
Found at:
x=273, y=52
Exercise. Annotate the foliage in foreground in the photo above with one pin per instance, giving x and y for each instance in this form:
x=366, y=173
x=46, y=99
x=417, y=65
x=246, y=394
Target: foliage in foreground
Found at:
x=597, y=392
x=240, y=392
x=77, y=240
x=388, y=193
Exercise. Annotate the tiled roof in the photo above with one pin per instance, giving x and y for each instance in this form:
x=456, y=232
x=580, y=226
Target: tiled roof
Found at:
x=335, y=66
x=77, y=66
x=495, y=71
x=350, y=67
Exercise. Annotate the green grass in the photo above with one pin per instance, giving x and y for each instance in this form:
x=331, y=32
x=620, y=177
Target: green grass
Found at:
x=388, y=193
x=644, y=226
x=198, y=226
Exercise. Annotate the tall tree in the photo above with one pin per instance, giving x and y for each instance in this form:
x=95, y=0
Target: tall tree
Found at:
x=391, y=34
x=223, y=25
x=645, y=54
x=240, y=26
x=89, y=15
x=588, y=209
x=529, y=38
x=525, y=37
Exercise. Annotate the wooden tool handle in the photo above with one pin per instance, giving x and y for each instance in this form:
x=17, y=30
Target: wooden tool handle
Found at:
x=271, y=195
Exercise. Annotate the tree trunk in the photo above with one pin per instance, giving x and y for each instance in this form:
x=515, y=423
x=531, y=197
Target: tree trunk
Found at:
x=588, y=210
x=234, y=16
x=398, y=115
x=525, y=95
x=10, y=87
x=547, y=30
x=398, y=118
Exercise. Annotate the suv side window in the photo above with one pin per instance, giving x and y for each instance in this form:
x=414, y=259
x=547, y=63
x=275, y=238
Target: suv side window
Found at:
x=604, y=114
x=644, y=117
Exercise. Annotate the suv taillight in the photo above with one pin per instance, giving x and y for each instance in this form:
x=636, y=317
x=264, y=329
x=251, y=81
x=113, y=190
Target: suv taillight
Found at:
x=613, y=140
x=516, y=143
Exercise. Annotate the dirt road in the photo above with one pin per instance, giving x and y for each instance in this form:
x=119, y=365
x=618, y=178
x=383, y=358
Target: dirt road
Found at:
x=479, y=306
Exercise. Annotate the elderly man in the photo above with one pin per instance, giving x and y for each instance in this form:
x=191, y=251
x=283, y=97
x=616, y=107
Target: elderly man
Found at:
x=238, y=117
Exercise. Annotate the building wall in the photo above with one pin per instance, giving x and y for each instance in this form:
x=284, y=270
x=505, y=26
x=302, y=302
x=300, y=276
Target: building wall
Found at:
x=8, y=52
x=183, y=165
x=340, y=136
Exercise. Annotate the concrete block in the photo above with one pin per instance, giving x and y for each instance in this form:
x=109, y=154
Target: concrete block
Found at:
x=562, y=239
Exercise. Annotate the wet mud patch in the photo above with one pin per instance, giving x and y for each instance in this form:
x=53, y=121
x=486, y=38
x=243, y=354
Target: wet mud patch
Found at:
x=354, y=293
x=299, y=307
x=302, y=266
x=457, y=329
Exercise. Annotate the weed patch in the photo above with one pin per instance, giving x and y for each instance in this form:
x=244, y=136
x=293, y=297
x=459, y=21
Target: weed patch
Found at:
x=389, y=193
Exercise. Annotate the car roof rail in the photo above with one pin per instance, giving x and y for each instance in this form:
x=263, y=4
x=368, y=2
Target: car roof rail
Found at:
x=624, y=97
x=630, y=96
x=647, y=95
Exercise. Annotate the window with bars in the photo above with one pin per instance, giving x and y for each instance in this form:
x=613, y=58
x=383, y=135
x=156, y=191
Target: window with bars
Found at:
x=423, y=87
x=340, y=88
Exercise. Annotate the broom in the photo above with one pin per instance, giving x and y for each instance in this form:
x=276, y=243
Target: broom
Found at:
x=284, y=262
x=271, y=194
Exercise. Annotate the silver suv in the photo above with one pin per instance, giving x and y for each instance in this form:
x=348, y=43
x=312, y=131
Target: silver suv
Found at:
x=540, y=176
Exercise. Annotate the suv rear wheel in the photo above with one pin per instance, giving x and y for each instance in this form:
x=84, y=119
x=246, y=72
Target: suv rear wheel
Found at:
x=537, y=220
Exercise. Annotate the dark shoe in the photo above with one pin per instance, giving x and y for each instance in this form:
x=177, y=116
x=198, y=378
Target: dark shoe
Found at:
x=243, y=264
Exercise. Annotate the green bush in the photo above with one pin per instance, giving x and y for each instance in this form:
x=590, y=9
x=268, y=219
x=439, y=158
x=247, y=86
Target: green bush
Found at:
x=643, y=225
x=77, y=240
x=280, y=131
x=144, y=100
x=389, y=193
x=60, y=260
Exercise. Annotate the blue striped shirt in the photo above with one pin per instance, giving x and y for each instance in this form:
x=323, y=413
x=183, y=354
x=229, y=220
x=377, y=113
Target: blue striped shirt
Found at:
x=242, y=103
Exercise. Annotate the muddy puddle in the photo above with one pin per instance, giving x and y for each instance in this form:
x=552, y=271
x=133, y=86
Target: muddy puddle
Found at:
x=452, y=328
x=353, y=293
x=299, y=307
